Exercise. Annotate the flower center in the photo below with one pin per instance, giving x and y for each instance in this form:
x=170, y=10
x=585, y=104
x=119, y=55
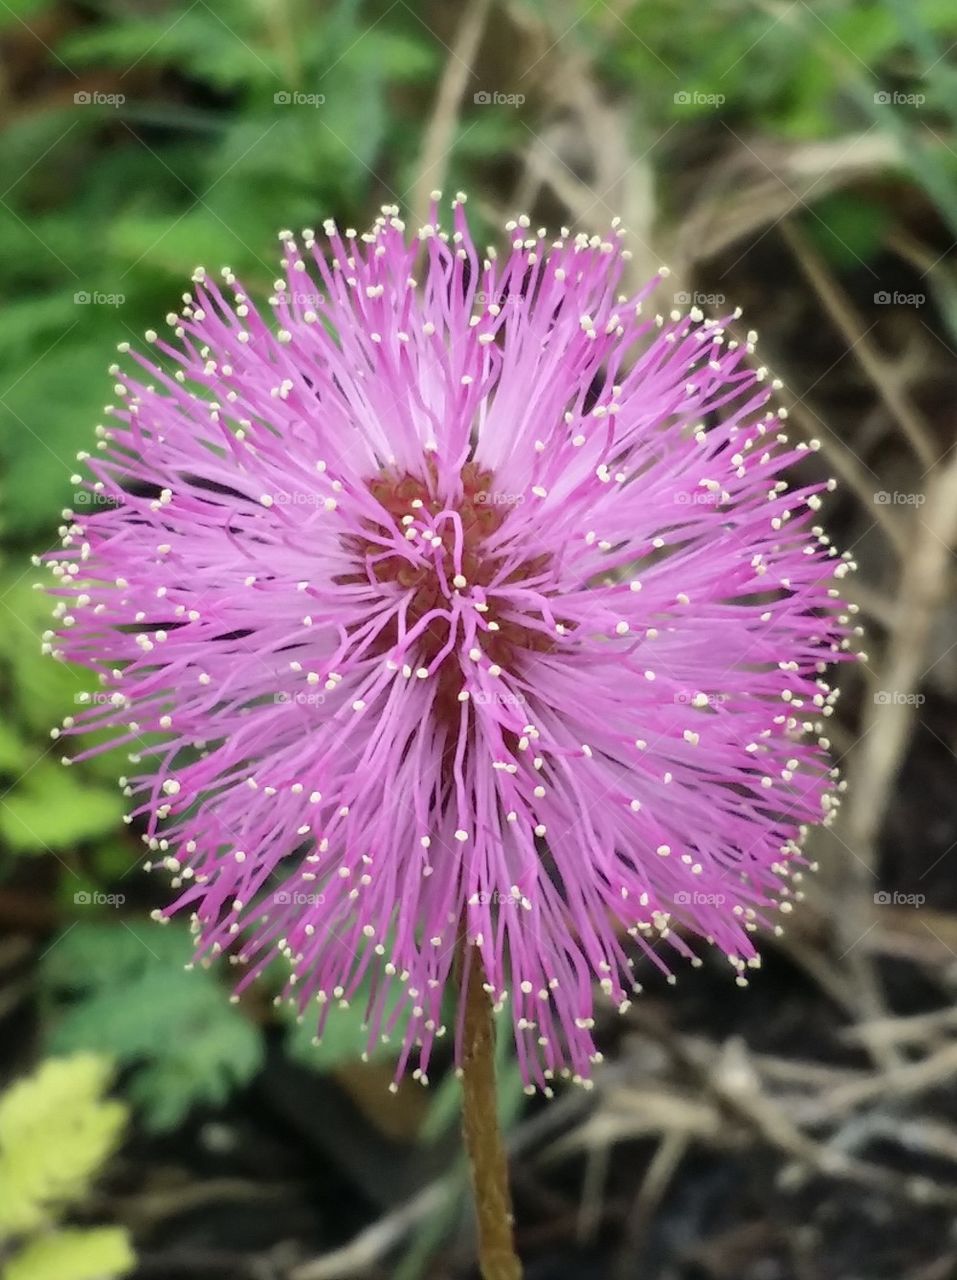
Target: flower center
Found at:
x=441, y=555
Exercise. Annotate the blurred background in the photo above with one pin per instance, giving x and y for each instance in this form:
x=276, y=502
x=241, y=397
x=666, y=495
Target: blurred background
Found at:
x=796, y=159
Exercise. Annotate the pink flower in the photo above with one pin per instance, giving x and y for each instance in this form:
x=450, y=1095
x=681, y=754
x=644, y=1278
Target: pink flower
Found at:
x=474, y=605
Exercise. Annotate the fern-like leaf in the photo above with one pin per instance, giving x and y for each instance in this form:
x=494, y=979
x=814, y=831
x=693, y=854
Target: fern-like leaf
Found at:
x=56, y=1130
x=102, y=1253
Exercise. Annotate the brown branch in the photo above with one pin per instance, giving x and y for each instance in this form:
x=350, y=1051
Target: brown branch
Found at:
x=841, y=311
x=437, y=143
x=888, y=722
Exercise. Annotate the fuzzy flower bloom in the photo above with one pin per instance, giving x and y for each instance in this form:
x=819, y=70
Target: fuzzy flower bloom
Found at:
x=453, y=598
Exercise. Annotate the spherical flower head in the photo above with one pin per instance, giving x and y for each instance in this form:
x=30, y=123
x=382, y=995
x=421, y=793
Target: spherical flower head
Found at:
x=456, y=606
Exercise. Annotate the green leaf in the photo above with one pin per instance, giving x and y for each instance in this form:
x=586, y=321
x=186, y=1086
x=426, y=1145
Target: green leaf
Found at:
x=223, y=1054
x=102, y=1253
x=848, y=230
x=14, y=9
x=38, y=811
x=344, y=1039
x=51, y=809
x=127, y=992
x=28, y=323
x=56, y=1130
x=45, y=807
x=135, y=1019
x=49, y=414
x=93, y=956
x=176, y=246
x=13, y=749
x=196, y=41
x=345, y=1034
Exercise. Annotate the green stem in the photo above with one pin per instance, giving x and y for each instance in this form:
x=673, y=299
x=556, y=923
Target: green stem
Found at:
x=483, y=1138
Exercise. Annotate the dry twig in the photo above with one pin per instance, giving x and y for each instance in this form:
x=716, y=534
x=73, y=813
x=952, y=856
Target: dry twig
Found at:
x=439, y=134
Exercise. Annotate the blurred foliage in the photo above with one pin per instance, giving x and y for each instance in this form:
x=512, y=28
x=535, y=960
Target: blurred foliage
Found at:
x=99, y=1253
x=45, y=807
x=133, y=992
x=211, y=132
x=790, y=68
x=207, y=132
x=345, y=1035
x=208, y=154
x=129, y=992
x=56, y=1131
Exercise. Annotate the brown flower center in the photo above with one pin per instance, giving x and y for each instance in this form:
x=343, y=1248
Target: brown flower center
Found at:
x=443, y=555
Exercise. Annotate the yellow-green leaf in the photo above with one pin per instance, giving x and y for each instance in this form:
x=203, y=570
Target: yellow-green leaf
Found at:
x=56, y=1130
x=103, y=1253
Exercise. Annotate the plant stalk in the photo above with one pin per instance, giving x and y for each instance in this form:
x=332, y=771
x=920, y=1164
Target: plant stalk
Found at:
x=483, y=1137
